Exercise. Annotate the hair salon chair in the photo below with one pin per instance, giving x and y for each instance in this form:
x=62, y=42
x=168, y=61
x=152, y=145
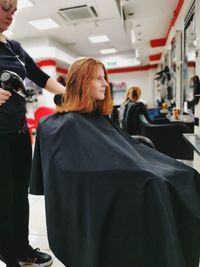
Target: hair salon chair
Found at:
x=43, y=111
x=130, y=123
x=168, y=138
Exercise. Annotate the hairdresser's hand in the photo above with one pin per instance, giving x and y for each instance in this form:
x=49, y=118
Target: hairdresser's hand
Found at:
x=4, y=96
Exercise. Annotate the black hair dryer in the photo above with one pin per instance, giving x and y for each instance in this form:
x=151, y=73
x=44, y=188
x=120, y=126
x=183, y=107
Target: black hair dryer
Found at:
x=58, y=99
x=11, y=81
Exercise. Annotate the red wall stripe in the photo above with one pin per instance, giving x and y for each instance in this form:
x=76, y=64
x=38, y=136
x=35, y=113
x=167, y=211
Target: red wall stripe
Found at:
x=158, y=42
x=191, y=64
x=176, y=13
x=162, y=41
x=132, y=69
x=51, y=62
x=61, y=70
x=46, y=62
x=155, y=57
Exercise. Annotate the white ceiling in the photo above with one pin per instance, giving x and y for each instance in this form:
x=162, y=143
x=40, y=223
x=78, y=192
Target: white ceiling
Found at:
x=153, y=16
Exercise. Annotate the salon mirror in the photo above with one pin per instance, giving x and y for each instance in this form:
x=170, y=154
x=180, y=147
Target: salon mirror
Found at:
x=189, y=63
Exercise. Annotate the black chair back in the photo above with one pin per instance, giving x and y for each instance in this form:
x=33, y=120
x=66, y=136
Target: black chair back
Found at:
x=130, y=123
x=168, y=138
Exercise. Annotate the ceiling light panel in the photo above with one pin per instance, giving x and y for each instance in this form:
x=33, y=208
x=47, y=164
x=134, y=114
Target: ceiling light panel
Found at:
x=24, y=3
x=108, y=51
x=98, y=39
x=44, y=24
x=133, y=38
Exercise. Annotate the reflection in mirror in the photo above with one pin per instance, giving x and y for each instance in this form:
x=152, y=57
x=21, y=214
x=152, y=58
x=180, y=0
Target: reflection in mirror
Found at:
x=196, y=89
x=173, y=71
x=189, y=61
x=163, y=88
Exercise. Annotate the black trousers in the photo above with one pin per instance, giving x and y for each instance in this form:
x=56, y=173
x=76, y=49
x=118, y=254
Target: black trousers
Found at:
x=15, y=164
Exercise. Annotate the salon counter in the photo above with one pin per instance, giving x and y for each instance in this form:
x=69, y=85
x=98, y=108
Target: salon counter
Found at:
x=183, y=118
x=194, y=140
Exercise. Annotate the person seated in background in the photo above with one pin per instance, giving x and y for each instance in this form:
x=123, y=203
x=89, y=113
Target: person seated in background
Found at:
x=133, y=106
x=110, y=200
x=133, y=94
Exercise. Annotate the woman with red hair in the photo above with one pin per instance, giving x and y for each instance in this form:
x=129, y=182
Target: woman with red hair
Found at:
x=110, y=200
x=84, y=75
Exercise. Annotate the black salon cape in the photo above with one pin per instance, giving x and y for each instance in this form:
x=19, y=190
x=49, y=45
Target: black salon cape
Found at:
x=111, y=201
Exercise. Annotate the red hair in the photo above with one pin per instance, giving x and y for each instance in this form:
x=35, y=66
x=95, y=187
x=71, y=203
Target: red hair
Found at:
x=78, y=97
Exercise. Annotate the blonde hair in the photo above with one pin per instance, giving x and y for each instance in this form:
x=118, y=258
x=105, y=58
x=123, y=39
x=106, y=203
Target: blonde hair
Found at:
x=78, y=97
x=133, y=94
x=6, y=4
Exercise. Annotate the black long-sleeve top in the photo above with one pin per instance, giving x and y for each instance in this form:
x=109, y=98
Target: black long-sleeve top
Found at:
x=14, y=58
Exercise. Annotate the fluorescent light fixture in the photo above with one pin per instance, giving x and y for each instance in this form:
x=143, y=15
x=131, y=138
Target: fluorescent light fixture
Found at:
x=118, y=62
x=24, y=3
x=136, y=53
x=99, y=39
x=133, y=39
x=108, y=51
x=44, y=24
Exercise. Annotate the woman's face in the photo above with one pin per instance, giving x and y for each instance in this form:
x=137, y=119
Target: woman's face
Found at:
x=99, y=84
x=7, y=10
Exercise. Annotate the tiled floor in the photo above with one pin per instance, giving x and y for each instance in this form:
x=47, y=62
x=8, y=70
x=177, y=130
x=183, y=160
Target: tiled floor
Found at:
x=37, y=227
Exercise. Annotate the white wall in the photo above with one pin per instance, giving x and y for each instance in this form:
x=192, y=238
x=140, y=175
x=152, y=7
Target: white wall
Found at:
x=142, y=79
x=46, y=98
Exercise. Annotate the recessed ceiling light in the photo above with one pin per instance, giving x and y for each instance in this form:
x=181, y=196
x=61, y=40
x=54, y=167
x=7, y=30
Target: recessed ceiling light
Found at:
x=108, y=51
x=44, y=24
x=24, y=3
x=133, y=38
x=136, y=53
x=99, y=39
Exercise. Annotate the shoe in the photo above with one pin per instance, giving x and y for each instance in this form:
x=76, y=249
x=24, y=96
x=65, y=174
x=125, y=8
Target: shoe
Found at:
x=36, y=258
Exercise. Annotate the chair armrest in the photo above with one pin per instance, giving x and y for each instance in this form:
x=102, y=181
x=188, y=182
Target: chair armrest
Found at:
x=160, y=121
x=142, y=139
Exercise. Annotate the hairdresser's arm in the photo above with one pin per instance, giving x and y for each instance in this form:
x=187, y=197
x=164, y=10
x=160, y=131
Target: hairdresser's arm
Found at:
x=42, y=79
x=54, y=87
x=4, y=96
